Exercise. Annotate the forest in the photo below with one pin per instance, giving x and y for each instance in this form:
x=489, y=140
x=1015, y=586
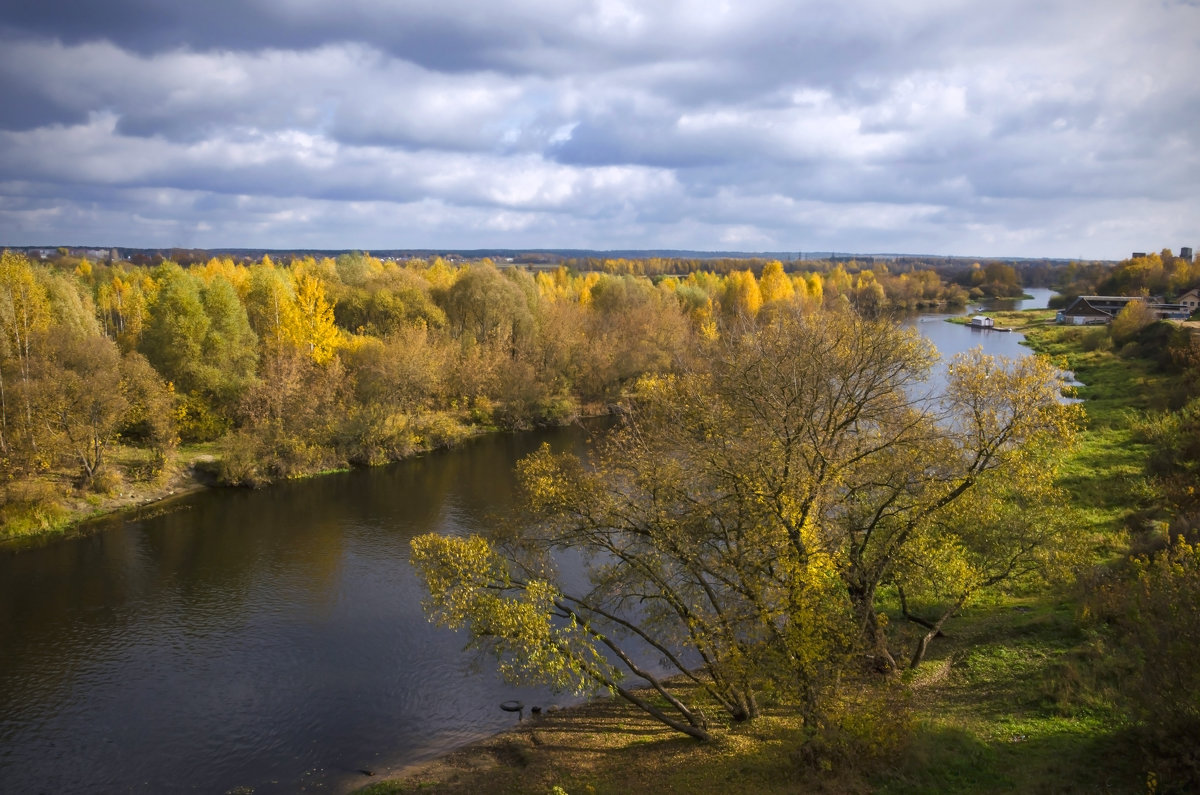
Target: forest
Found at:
x=108, y=369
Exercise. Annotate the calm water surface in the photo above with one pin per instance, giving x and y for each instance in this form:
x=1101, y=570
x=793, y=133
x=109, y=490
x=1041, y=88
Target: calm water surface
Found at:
x=271, y=640
x=954, y=338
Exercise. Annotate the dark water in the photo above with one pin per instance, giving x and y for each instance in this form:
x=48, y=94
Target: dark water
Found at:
x=272, y=640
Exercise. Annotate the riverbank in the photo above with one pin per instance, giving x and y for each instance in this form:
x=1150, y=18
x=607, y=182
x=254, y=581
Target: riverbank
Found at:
x=1013, y=698
x=194, y=468
x=990, y=711
x=73, y=510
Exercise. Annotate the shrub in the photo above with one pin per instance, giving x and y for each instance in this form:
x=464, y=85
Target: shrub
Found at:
x=1135, y=316
x=30, y=506
x=438, y=429
x=107, y=481
x=239, y=462
x=866, y=726
x=1156, y=626
x=1096, y=339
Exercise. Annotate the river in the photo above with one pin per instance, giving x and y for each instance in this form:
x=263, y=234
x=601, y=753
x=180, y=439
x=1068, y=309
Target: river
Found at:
x=267, y=639
x=270, y=640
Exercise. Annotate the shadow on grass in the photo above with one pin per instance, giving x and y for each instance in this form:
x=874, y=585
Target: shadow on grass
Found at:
x=949, y=760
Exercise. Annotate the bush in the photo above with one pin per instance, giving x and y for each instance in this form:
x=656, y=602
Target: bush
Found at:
x=865, y=727
x=1096, y=339
x=107, y=481
x=558, y=409
x=198, y=422
x=1135, y=316
x=30, y=506
x=438, y=429
x=239, y=462
x=373, y=435
x=1156, y=627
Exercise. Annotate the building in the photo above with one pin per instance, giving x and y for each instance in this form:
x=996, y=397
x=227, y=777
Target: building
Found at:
x=1083, y=312
x=1190, y=299
x=982, y=321
x=1089, y=310
x=1186, y=253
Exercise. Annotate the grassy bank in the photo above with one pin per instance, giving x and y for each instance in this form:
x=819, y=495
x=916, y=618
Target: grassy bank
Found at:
x=1017, y=697
x=997, y=708
x=52, y=505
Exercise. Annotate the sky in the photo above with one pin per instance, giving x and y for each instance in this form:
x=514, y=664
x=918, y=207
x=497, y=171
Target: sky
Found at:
x=1024, y=128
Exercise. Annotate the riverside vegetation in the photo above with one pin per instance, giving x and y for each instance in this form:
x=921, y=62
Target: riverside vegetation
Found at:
x=787, y=513
x=116, y=379
x=1073, y=673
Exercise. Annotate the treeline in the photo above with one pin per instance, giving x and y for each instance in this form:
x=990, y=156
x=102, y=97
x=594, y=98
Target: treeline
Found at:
x=986, y=279
x=318, y=364
x=1163, y=274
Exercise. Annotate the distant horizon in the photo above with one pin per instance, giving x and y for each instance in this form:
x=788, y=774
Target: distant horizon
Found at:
x=575, y=252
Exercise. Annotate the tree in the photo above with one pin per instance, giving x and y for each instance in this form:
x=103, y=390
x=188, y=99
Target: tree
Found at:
x=1146, y=611
x=317, y=330
x=24, y=315
x=484, y=306
x=173, y=339
x=150, y=415
x=271, y=305
x=774, y=285
x=1133, y=317
x=743, y=520
x=230, y=347
x=741, y=297
x=80, y=402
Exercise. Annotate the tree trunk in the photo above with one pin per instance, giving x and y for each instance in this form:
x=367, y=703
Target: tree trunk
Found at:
x=873, y=637
x=935, y=629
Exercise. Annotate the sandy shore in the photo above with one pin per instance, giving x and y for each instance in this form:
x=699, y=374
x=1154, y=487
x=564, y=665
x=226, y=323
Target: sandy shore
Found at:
x=536, y=753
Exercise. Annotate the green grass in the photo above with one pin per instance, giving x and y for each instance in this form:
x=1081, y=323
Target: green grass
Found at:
x=1114, y=386
x=1002, y=705
x=1105, y=476
x=1007, y=717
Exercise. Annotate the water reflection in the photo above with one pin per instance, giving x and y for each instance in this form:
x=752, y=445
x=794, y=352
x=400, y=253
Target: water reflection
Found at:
x=268, y=639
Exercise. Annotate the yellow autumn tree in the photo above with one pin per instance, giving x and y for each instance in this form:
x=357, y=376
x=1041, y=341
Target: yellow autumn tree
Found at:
x=24, y=316
x=316, y=331
x=270, y=302
x=774, y=285
x=741, y=297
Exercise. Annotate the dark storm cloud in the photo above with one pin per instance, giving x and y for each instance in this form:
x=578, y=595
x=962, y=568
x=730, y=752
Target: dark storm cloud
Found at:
x=1029, y=127
x=448, y=36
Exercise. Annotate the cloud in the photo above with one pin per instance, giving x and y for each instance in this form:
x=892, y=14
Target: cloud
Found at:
x=1057, y=127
